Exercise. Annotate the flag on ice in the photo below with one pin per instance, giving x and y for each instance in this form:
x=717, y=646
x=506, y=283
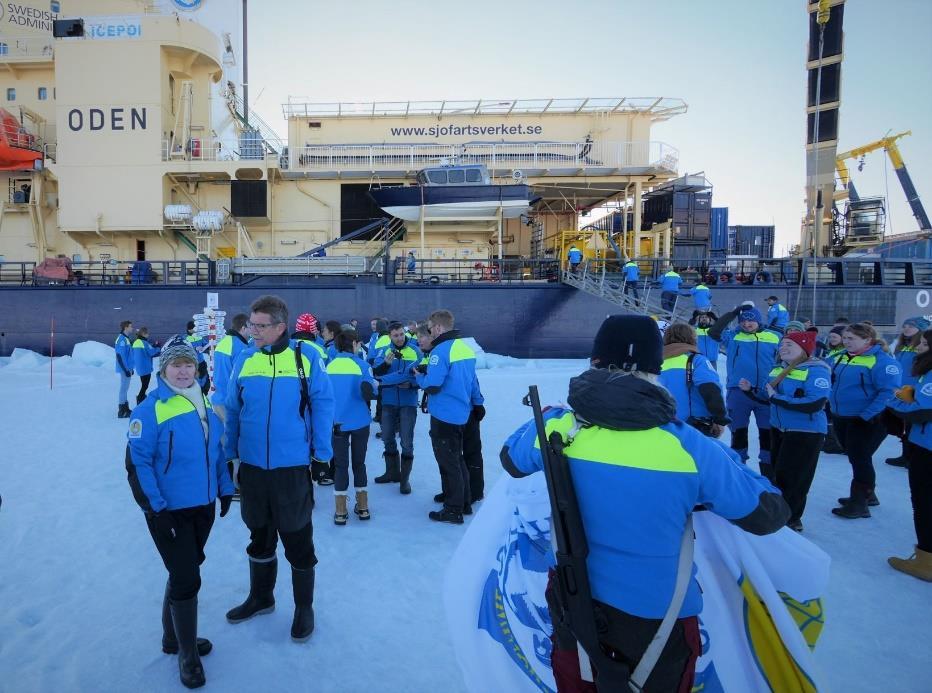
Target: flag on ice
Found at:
x=761, y=617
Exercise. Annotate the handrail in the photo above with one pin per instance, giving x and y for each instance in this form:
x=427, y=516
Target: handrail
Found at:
x=475, y=271
x=368, y=228
x=109, y=273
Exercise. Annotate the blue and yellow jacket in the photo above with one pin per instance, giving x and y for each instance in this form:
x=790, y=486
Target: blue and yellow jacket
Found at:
x=798, y=403
x=702, y=296
x=198, y=343
x=376, y=341
x=314, y=343
x=574, y=255
x=170, y=463
x=832, y=355
x=225, y=354
x=863, y=385
x=264, y=425
x=670, y=281
x=143, y=353
x=450, y=380
x=695, y=387
x=905, y=357
x=749, y=355
x=638, y=474
x=918, y=413
x=708, y=346
x=399, y=385
x=353, y=388
x=124, y=354
x=632, y=271
x=777, y=316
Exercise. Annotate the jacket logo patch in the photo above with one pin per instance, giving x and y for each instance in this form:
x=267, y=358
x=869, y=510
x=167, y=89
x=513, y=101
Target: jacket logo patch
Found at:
x=135, y=428
x=927, y=390
x=434, y=360
x=892, y=370
x=823, y=382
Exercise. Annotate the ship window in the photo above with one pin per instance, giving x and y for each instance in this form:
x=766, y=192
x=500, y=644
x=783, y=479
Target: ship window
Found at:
x=4, y=48
x=457, y=176
x=43, y=93
x=473, y=175
x=10, y=94
x=435, y=177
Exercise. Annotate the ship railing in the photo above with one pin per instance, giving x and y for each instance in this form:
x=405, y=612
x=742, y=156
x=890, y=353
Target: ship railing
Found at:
x=111, y=273
x=200, y=149
x=532, y=156
x=18, y=136
x=13, y=49
x=245, y=269
x=606, y=279
x=473, y=271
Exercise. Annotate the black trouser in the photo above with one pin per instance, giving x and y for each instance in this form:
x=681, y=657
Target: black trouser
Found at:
x=668, y=300
x=632, y=287
x=277, y=503
x=343, y=442
x=860, y=439
x=472, y=456
x=184, y=554
x=143, y=385
x=794, y=455
x=627, y=637
x=920, y=488
x=447, y=441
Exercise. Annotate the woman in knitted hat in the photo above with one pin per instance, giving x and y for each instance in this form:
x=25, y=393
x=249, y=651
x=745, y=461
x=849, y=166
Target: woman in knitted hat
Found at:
x=798, y=390
x=904, y=351
x=171, y=434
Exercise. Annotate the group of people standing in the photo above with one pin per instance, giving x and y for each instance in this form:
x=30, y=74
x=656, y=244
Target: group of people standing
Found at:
x=284, y=409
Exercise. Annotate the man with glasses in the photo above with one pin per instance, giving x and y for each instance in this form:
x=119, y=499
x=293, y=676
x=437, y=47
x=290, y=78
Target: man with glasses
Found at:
x=279, y=417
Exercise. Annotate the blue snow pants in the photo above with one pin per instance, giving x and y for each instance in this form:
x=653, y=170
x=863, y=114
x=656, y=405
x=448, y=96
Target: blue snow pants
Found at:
x=740, y=407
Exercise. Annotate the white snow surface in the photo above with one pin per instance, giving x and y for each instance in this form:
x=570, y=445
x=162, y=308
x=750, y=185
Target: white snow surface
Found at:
x=81, y=583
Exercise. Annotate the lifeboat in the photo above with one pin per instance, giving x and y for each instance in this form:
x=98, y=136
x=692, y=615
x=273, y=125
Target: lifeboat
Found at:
x=19, y=149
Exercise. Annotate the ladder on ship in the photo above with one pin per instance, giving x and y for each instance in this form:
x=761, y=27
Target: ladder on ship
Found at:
x=604, y=279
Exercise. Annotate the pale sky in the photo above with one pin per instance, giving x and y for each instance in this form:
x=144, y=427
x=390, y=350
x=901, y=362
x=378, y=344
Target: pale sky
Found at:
x=738, y=64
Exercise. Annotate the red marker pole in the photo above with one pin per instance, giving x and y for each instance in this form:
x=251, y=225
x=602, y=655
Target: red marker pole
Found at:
x=51, y=353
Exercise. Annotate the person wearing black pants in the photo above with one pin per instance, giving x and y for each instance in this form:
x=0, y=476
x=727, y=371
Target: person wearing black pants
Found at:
x=447, y=442
x=165, y=464
x=472, y=453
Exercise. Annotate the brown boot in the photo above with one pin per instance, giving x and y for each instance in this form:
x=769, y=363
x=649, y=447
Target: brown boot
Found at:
x=919, y=565
x=340, y=515
x=362, y=505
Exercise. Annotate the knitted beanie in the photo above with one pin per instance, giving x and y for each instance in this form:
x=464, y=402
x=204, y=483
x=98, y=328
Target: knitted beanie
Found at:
x=629, y=343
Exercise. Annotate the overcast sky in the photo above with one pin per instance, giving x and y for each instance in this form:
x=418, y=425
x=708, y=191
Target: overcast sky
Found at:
x=739, y=65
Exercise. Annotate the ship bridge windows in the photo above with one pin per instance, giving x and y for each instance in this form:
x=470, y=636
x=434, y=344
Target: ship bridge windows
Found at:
x=456, y=176
x=43, y=93
x=433, y=177
x=4, y=48
x=473, y=175
x=10, y=94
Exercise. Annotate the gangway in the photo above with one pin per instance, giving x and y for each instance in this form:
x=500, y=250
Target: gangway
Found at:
x=604, y=279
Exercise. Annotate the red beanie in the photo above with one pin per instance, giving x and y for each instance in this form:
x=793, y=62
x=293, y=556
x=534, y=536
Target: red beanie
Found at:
x=806, y=340
x=306, y=323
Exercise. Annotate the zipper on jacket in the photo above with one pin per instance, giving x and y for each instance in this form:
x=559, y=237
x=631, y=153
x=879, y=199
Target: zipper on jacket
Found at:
x=171, y=440
x=268, y=421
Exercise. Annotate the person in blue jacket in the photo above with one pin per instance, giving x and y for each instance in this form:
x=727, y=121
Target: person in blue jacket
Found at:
x=751, y=352
x=450, y=383
x=199, y=344
x=777, y=314
x=702, y=297
x=123, y=348
x=632, y=275
x=798, y=390
x=143, y=353
x=692, y=381
x=575, y=256
x=228, y=348
x=864, y=380
x=279, y=417
x=914, y=404
x=393, y=367
x=353, y=389
x=669, y=289
x=176, y=471
x=708, y=347
x=329, y=332
x=904, y=351
x=638, y=474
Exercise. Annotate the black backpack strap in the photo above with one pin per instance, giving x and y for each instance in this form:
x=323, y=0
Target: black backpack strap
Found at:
x=302, y=376
x=689, y=381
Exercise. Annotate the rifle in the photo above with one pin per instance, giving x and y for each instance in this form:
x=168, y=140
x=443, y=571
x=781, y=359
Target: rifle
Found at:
x=573, y=591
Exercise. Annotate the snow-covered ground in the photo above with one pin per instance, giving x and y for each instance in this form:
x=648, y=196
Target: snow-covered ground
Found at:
x=81, y=583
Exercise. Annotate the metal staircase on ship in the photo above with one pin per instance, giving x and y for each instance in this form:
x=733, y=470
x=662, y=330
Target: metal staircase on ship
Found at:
x=604, y=279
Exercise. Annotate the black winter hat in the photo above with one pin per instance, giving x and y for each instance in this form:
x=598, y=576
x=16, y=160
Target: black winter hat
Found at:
x=629, y=343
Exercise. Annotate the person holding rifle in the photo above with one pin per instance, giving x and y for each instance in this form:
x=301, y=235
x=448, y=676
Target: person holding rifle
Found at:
x=637, y=473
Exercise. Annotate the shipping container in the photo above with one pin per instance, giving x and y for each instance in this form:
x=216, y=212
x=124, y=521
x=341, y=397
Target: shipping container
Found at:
x=752, y=240
x=718, y=232
x=689, y=254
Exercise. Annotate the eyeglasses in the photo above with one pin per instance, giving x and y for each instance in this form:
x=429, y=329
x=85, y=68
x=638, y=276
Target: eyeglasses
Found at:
x=261, y=325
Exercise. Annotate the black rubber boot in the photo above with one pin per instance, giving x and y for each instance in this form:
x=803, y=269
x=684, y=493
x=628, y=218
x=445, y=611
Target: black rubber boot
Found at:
x=261, y=599
x=392, y=470
x=438, y=498
x=856, y=507
x=407, y=463
x=123, y=412
x=184, y=616
x=872, y=500
x=446, y=515
x=900, y=461
x=302, y=584
x=169, y=641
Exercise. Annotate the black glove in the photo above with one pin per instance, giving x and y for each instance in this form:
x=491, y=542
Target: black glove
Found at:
x=164, y=525
x=424, y=403
x=128, y=374
x=421, y=368
x=478, y=411
x=225, y=505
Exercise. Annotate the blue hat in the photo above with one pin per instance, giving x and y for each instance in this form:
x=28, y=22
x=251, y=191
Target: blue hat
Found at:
x=920, y=323
x=751, y=314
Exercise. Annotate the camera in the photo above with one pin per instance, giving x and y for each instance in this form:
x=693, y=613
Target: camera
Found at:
x=397, y=354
